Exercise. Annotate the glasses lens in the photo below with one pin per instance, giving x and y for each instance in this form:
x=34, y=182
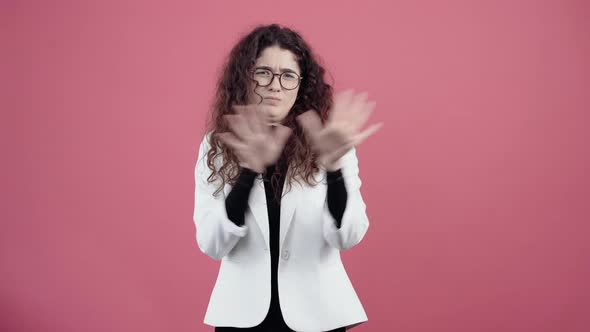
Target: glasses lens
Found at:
x=263, y=76
x=289, y=80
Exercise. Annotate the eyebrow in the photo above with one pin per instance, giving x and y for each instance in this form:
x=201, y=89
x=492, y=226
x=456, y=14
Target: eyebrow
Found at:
x=281, y=69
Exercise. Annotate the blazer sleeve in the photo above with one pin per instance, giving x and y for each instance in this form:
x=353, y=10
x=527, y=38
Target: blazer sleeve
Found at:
x=354, y=223
x=216, y=234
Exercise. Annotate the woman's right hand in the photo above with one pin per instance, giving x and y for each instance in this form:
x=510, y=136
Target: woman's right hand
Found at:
x=255, y=143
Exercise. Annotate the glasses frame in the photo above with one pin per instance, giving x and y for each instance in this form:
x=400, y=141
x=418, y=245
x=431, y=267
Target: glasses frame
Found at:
x=280, y=78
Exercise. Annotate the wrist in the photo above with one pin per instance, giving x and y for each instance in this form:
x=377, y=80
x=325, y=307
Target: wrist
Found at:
x=331, y=167
x=259, y=170
x=256, y=168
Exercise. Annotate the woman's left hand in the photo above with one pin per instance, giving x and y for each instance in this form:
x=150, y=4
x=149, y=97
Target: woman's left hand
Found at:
x=342, y=129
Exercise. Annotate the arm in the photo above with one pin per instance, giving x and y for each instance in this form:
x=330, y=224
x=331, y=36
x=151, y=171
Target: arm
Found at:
x=354, y=223
x=337, y=195
x=237, y=200
x=216, y=234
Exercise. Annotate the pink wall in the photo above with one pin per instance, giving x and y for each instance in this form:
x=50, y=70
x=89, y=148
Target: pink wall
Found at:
x=477, y=187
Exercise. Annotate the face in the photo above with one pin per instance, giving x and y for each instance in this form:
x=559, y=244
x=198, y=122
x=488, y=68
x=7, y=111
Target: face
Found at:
x=277, y=100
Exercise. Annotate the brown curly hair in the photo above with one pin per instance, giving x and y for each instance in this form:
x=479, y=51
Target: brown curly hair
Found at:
x=232, y=88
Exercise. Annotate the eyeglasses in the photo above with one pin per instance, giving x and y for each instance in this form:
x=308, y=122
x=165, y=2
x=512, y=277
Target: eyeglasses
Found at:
x=288, y=80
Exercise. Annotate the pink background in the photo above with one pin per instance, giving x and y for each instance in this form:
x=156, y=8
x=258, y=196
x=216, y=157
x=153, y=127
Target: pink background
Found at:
x=477, y=186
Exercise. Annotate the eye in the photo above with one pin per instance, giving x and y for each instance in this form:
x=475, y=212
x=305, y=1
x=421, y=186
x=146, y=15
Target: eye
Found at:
x=290, y=76
x=262, y=72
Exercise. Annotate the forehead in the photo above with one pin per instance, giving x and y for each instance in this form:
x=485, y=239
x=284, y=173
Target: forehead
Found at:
x=278, y=59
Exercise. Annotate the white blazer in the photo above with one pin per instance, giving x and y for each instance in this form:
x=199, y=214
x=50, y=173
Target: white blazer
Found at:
x=314, y=289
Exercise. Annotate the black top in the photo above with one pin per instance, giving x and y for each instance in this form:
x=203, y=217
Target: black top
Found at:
x=236, y=203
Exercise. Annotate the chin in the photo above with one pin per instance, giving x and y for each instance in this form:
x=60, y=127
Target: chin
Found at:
x=274, y=123
x=276, y=114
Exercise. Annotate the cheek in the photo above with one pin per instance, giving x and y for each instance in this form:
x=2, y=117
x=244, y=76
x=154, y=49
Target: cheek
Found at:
x=292, y=96
x=251, y=93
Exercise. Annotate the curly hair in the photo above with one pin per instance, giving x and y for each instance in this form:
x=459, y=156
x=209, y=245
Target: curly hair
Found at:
x=232, y=88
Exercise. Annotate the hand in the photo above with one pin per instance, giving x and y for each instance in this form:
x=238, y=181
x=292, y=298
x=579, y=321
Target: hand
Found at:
x=255, y=143
x=341, y=131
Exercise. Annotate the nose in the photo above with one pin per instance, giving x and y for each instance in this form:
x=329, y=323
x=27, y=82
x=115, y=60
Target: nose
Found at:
x=275, y=85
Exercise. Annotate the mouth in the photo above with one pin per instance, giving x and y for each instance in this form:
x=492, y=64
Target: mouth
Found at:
x=273, y=101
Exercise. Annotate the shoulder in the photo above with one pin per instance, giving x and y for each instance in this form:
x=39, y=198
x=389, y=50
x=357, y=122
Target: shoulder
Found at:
x=205, y=144
x=204, y=147
x=206, y=140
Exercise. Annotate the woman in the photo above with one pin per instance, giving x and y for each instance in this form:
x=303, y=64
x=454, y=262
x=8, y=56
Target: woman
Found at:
x=277, y=190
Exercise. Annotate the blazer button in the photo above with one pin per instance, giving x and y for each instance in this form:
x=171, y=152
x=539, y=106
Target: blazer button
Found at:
x=285, y=254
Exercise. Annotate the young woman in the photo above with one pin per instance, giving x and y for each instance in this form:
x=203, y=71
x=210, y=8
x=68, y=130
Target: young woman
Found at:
x=277, y=190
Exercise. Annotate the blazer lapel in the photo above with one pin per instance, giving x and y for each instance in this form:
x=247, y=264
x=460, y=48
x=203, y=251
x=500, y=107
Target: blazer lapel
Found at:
x=257, y=204
x=288, y=205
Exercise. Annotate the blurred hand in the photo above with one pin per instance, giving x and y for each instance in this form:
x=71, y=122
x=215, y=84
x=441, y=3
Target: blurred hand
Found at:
x=255, y=143
x=342, y=129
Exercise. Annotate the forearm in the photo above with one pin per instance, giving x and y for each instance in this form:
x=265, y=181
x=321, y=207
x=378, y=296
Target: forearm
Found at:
x=236, y=201
x=337, y=195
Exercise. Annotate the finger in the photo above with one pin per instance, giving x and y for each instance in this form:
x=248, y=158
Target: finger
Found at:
x=340, y=110
x=359, y=138
x=358, y=101
x=363, y=114
x=252, y=116
x=243, y=112
x=260, y=119
x=238, y=125
x=363, y=96
x=345, y=96
x=230, y=140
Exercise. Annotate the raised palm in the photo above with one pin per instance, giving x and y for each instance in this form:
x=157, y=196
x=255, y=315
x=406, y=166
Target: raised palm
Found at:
x=342, y=129
x=255, y=143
